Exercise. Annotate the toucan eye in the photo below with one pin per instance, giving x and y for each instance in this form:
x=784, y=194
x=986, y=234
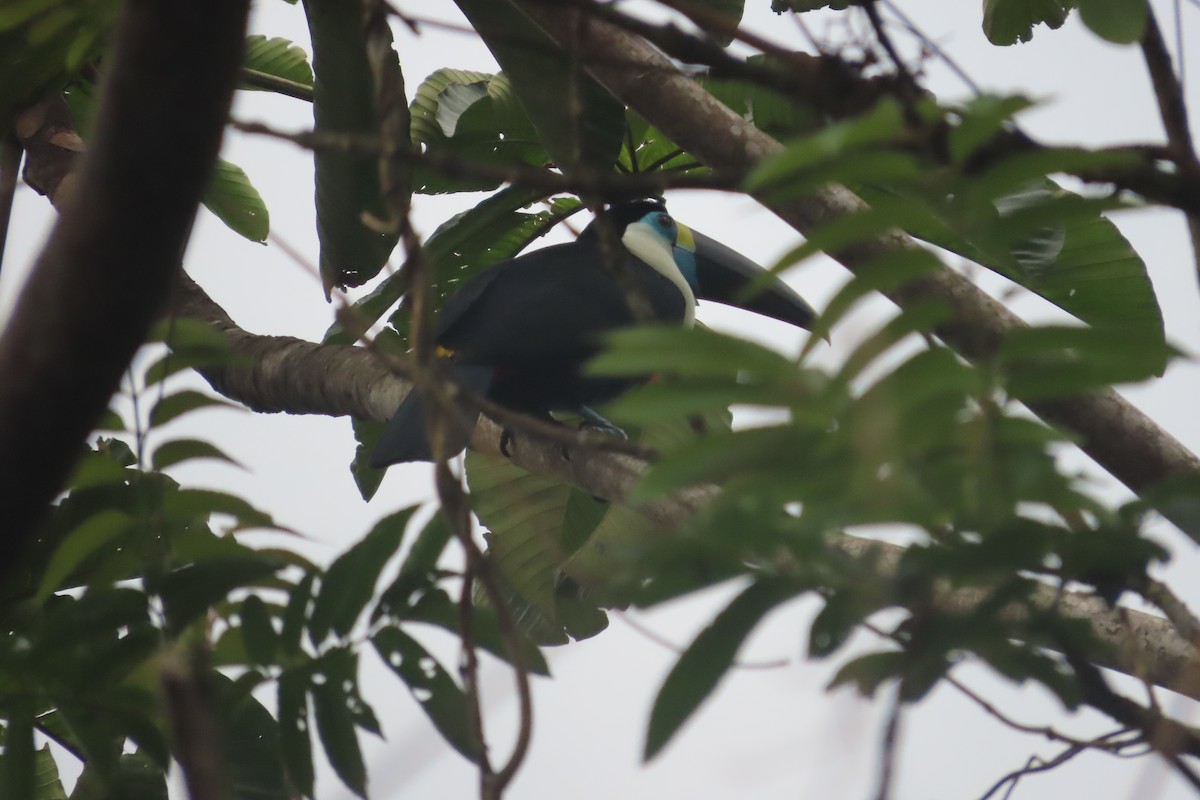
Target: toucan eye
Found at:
x=665, y=220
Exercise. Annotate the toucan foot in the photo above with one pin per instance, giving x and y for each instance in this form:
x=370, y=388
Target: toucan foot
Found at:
x=596, y=422
x=506, y=439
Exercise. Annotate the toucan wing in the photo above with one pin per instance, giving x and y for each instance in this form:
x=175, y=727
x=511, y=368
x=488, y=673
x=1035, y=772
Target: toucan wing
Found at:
x=553, y=303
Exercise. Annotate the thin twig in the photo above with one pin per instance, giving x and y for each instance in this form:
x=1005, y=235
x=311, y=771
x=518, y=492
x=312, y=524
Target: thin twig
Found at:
x=1172, y=108
x=909, y=89
x=887, y=758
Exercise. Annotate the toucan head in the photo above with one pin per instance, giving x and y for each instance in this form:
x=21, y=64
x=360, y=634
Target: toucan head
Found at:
x=715, y=272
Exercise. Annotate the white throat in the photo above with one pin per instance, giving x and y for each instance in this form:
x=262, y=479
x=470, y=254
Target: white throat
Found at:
x=648, y=245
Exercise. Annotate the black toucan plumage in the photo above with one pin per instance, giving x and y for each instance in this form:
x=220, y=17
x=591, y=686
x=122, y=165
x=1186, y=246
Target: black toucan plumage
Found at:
x=520, y=331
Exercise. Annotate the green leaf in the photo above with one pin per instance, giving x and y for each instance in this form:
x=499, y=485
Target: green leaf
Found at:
x=812, y=154
x=698, y=352
x=176, y=451
x=278, y=58
x=236, y=202
x=250, y=742
x=350, y=582
x=193, y=343
x=707, y=659
x=472, y=117
x=1118, y=21
x=46, y=783
x=179, y=403
x=44, y=45
x=90, y=537
x=524, y=514
x=366, y=477
x=1051, y=361
x=431, y=686
x=136, y=777
x=189, y=504
x=416, y=572
x=295, y=739
x=335, y=727
x=348, y=183
x=17, y=760
x=100, y=468
x=870, y=671
x=191, y=590
x=295, y=614
x=1050, y=241
x=262, y=642
x=436, y=608
x=579, y=122
x=1007, y=22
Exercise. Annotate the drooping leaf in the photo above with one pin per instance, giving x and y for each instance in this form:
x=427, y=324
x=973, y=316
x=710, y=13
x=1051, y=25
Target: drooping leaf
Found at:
x=189, y=591
x=1074, y=257
x=349, y=583
x=431, y=686
x=250, y=744
x=335, y=727
x=237, y=203
x=348, y=183
x=176, y=451
x=1049, y=361
x=95, y=533
x=436, y=608
x=262, y=641
x=366, y=434
x=417, y=571
x=524, y=514
x=192, y=343
x=706, y=661
x=295, y=736
x=182, y=402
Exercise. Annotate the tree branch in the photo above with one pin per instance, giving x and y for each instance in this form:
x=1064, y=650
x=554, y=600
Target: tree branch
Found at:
x=111, y=261
x=1117, y=435
x=1142, y=645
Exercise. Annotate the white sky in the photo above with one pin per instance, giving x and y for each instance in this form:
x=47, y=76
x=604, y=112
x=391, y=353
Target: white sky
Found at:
x=767, y=733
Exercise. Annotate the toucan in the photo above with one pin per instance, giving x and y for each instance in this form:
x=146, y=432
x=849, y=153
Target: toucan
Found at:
x=520, y=331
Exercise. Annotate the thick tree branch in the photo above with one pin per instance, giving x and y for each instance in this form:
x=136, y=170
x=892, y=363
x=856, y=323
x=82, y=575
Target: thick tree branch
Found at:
x=112, y=259
x=1113, y=432
x=270, y=367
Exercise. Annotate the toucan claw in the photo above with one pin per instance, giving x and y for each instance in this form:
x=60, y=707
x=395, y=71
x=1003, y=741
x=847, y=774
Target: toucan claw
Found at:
x=506, y=439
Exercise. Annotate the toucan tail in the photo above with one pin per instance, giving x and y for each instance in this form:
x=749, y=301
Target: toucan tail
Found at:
x=406, y=438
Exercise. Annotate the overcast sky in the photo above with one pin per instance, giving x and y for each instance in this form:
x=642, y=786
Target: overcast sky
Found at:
x=769, y=732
